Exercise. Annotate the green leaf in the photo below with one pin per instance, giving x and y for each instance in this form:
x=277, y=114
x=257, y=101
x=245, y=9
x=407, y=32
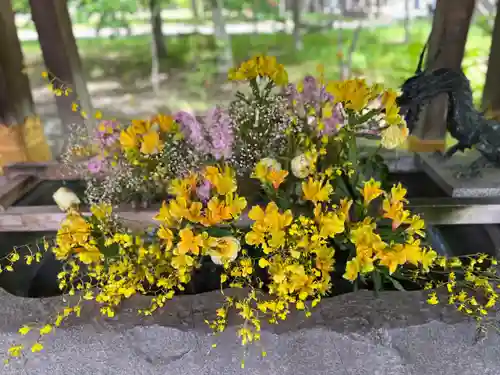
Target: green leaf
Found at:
x=219, y=232
x=377, y=282
x=396, y=283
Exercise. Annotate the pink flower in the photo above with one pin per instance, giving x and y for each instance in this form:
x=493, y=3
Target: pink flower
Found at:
x=95, y=165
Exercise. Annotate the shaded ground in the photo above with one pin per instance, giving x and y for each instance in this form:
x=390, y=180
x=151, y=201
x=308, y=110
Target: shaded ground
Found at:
x=118, y=70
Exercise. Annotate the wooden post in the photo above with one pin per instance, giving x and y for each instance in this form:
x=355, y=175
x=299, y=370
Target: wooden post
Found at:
x=491, y=93
x=60, y=53
x=16, y=102
x=446, y=50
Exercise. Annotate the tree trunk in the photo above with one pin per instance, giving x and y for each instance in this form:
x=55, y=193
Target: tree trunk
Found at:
x=223, y=40
x=297, y=38
x=491, y=93
x=446, y=50
x=156, y=29
x=16, y=101
x=60, y=53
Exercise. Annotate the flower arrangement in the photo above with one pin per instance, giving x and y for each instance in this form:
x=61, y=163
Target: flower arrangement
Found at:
x=318, y=204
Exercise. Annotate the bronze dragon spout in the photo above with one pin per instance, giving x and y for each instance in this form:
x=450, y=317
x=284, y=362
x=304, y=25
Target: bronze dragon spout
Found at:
x=464, y=122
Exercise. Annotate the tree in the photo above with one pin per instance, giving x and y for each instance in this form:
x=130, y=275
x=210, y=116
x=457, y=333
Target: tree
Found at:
x=297, y=39
x=16, y=99
x=222, y=37
x=60, y=54
x=156, y=29
x=111, y=13
x=491, y=93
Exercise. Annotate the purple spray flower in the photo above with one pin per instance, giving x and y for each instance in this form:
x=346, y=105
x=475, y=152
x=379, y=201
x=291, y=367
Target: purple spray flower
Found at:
x=192, y=130
x=218, y=127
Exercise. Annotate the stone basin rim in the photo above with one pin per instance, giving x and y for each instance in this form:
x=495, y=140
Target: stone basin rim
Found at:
x=356, y=312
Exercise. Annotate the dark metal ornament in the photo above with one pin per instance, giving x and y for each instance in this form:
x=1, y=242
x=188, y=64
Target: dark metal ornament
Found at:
x=464, y=122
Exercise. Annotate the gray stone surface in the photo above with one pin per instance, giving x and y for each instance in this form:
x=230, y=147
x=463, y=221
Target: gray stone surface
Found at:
x=355, y=334
x=487, y=185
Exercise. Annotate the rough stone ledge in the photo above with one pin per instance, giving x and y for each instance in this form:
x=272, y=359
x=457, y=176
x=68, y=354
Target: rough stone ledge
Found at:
x=397, y=333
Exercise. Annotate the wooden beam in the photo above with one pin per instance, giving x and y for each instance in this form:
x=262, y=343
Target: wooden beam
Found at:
x=446, y=50
x=60, y=53
x=16, y=102
x=48, y=218
x=16, y=188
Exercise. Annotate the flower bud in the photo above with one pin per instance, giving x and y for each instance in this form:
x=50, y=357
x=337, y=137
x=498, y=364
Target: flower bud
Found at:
x=301, y=168
x=65, y=199
x=271, y=163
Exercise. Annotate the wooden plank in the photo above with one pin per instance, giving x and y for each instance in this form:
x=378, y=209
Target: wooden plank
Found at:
x=48, y=218
x=435, y=211
x=15, y=189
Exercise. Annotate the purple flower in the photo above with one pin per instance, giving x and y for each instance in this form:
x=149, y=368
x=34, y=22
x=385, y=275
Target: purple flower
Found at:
x=95, y=165
x=213, y=136
x=191, y=129
x=219, y=129
x=107, y=133
x=310, y=92
x=203, y=191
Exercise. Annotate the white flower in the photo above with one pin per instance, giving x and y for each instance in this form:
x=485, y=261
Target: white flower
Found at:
x=271, y=163
x=301, y=167
x=394, y=136
x=65, y=199
x=225, y=249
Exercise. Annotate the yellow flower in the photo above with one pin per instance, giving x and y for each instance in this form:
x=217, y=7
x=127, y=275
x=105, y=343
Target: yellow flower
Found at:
x=315, y=191
x=416, y=226
x=165, y=122
x=189, y=242
x=389, y=98
x=101, y=211
x=89, y=254
x=164, y=215
x=151, y=143
x=277, y=177
x=223, y=179
x=167, y=236
x=392, y=259
x=37, y=347
x=216, y=212
x=182, y=261
x=396, y=212
x=398, y=193
x=129, y=138
x=353, y=93
x=65, y=199
x=394, y=136
x=268, y=170
x=235, y=204
x=433, y=299
x=263, y=66
x=330, y=224
x=345, y=207
x=224, y=249
x=371, y=190
x=428, y=258
x=352, y=270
